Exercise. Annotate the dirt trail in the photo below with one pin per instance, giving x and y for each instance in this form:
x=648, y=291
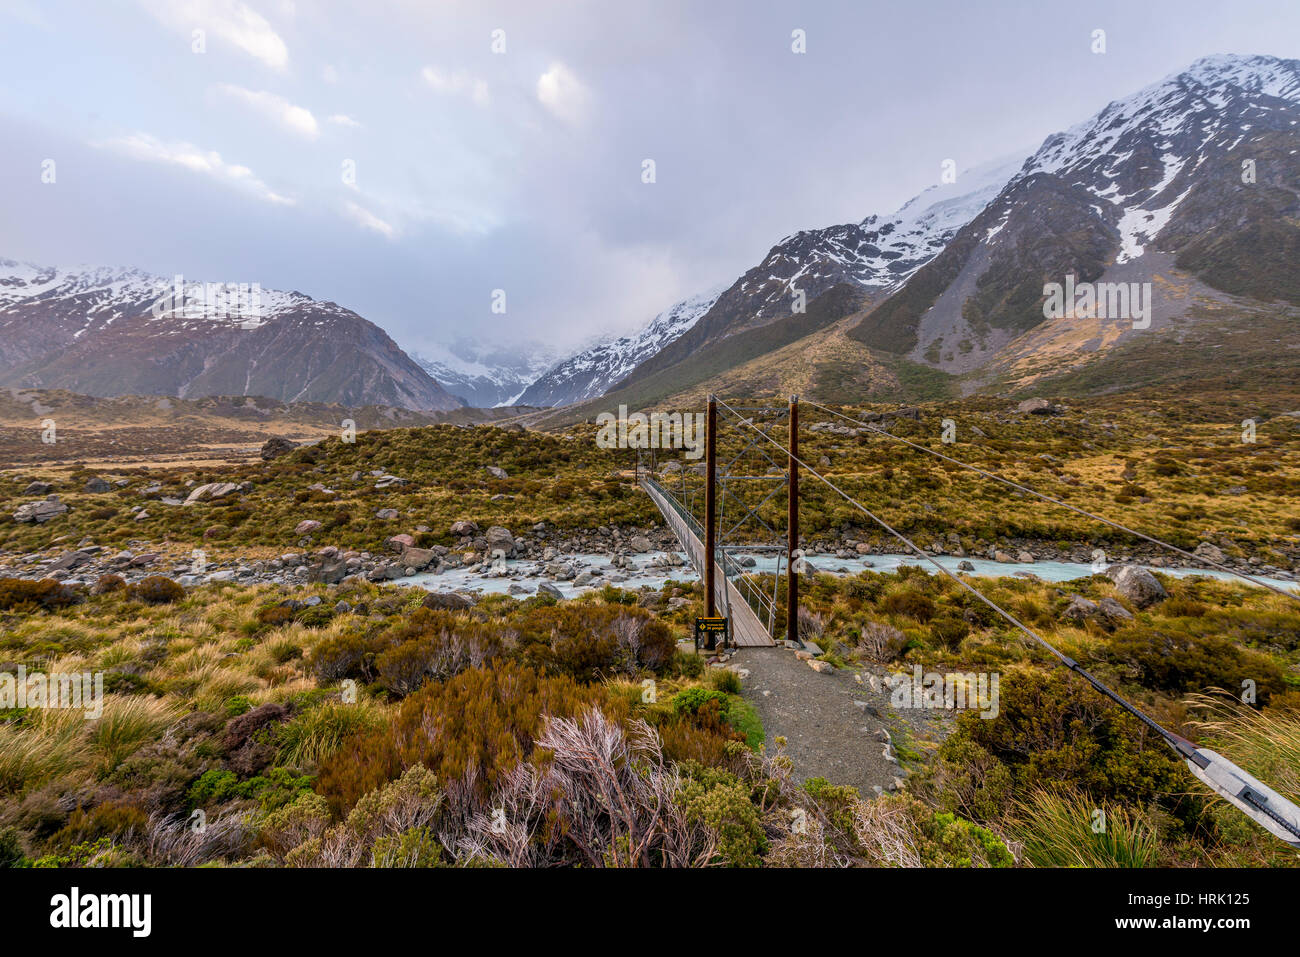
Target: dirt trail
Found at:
x=832, y=722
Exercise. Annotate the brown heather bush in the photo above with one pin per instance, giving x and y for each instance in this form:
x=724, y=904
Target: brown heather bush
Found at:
x=108, y=584
x=478, y=724
x=591, y=641
x=47, y=594
x=156, y=590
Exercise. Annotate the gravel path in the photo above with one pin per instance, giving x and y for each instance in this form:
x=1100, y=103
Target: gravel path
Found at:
x=831, y=722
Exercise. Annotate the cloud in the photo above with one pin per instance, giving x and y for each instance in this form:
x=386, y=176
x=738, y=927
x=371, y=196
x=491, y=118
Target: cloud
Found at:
x=230, y=20
x=143, y=146
x=456, y=84
x=368, y=220
x=342, y=119
x=277, y=109
x=563, y=94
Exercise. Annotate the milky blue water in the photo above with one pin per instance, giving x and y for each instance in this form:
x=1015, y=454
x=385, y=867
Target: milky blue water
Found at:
x=519, y=572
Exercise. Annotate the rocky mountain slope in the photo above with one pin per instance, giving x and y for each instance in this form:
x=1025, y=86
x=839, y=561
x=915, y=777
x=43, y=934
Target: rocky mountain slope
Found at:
x=1191, y=184
x=593, y=371
x=108, y=332
x=874, y=256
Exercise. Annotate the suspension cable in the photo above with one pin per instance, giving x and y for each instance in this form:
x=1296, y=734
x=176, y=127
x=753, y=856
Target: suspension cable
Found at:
x=1182, y=746
x=1063, y=504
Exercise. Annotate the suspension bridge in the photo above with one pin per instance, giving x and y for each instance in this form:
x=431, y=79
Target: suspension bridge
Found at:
x=751, y=610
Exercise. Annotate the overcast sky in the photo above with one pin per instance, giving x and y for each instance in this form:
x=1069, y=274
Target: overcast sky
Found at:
x=521, y=170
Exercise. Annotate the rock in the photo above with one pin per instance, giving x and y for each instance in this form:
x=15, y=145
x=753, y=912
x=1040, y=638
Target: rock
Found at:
x=418, y=558
x=497, y=473
x=341, y=607
x=210, y=491
x=386, y=514
x=141, y=515
x=1035, y=407
x=586, y=578
x=965, y=567
x=328, y=572
x=306, y=526
x=69, y=560
x=448, y=600
x=1080, y=610
x=821, y=667
x=640, y=543
x=273, y=448
x=1113, y=611
x=1003, y=557
x=389, y=481
x=500, y=538
x=41, y=511
x=97, y=485
x=1139, y=586
x=546, y=588
x=1209, y=552
x=1025, y=557
x=400, y=543
x=463, y=528
x=38, y=488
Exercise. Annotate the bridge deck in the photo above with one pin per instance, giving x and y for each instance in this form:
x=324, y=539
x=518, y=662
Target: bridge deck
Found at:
x=746, y=628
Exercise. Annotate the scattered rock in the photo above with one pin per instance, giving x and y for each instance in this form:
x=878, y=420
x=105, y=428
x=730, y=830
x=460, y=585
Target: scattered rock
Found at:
x=1209, y=552
x=98, y=485
x=210, y=491
x=306, y=526
x=497, y=473
x=386, y=514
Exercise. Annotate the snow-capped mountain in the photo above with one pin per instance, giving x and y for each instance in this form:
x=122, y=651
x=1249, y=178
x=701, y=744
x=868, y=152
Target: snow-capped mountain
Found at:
x=1200, y=167
x=487, y=375
x=594, y=370
x=873, y=257
x=107, y=331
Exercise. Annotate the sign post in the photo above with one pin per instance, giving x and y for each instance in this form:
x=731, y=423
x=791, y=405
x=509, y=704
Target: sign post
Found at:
x=707, y=630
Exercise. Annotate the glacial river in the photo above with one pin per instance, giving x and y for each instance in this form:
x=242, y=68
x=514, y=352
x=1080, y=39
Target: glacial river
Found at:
x=524, y=574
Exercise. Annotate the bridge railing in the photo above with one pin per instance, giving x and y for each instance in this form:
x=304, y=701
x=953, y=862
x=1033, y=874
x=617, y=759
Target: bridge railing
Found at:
x=761, y=605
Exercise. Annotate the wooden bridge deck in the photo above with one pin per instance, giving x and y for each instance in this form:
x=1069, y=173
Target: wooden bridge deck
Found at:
x=746, y=628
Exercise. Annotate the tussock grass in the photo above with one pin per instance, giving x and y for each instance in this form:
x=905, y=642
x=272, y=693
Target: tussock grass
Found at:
x=1056, y=829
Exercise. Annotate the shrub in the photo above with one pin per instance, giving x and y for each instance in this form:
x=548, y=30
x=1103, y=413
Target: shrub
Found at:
x=108, y=584
x=720, y=801
x=472, y=727
x=1050, y=728
x=48, y=594
x=880, y=642
x=156, y=590
x=1176, y=661
x=949, y=632
x=909, y=603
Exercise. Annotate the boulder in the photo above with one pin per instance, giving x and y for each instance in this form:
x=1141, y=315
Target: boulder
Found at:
x=306, y=526
x=1080, y=610
x=1139, y=586
x=400, y=543
x=448, y=601
x=464, y=527
x=210, y=491
x=386, y=514
x=1113, y=611
x=418, y=558
x=1209, y=552
x=69, y=560
x=41, y=511
x=1035, y=407
x=640, y=543
x=38, y=488
x=328, y=572
x=965, y=567
x=500, y=538
x=497, y=473
x=98, y=486
x=275, y=447
x=546, y=588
